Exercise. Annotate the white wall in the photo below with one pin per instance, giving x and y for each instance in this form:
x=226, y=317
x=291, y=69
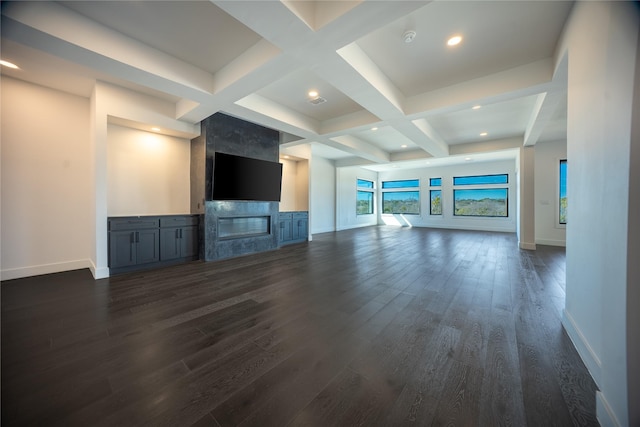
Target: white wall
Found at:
x=148, y=173
x=547, y=192
x=322, y=195
x=633, y=266
x=46, y=182
x=447, y=219
x=601, y=43
x=346, y=198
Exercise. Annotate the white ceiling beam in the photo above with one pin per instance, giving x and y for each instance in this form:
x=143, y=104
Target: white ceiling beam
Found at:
x=352, y=161
x=279, y=113
x=358, y=147
x=546, y=104
x=542, y=114
x=244, y=86
x=359, y=119
x=349, y=70
x=55, y=29
x=486, y=146
x=246, y=63
x=430, y=141
x=528, y=79
x=379, y=82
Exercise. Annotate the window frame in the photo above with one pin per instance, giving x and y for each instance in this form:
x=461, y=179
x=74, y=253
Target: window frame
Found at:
x=432, y=184
x=407, y=187
x=370, y=191
x=481, y=186
x=506, y=175
x=435, y=186
x=413, y=187
x=560, y=224
x=431, y=192
x=506, y=189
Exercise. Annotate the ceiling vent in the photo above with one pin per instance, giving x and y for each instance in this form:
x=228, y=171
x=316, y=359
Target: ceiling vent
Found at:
x=317, y=100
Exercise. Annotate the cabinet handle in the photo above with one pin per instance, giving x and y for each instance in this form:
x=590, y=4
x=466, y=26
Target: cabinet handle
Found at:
x=181, y=233
x=137, y=237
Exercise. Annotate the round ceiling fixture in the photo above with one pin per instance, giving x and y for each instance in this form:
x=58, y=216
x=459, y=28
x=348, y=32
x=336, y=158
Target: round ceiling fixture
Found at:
x=9, y=64
x=408, y=36
x=454, y=41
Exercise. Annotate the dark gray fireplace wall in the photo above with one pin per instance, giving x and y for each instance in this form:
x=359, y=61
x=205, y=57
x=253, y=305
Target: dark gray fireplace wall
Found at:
x=230, y=135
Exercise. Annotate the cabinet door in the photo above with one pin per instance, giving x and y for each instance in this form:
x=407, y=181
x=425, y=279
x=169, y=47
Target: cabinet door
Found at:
x=285, y=230
x=148, y=246
x=169, y=243
x=302, y=229
x=122, y=249
x=189, y=241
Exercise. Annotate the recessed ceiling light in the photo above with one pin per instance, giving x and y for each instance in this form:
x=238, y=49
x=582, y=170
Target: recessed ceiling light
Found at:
x=155, y=129
x=374, y=129
x=428, y=163
x=313, y=93
x=484, y=134
x=8, y=64
x=403, y=146
x=467, y=159
x=476, y=107
x=453, y=41
x=286, y=157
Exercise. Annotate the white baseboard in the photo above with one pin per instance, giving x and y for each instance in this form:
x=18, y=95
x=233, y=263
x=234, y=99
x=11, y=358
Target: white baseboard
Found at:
x=605, y=415
x=98, y=273
x=323, y=230
x=37, y=270
x=550, y=242
x=464, y=227
x=588, y=356
x=351, y=227
x=528, y=246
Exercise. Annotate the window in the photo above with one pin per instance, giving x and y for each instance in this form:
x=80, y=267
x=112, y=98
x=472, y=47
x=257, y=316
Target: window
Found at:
x=486, y=198
x=481, y=179
x=363, y=183
x=563, y=192
x=364, y=200
x=436, y=202
x=404, y=199
x=435, y=197
x=407, y=183
x=480, y=202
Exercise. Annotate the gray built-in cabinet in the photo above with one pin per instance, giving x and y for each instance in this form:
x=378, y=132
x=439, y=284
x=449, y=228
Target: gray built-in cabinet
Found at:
x=144, y=242
x=178, y=237
x=294, y=227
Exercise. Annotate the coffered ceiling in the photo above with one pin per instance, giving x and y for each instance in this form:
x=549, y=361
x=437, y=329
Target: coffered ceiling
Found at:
x=384, y=102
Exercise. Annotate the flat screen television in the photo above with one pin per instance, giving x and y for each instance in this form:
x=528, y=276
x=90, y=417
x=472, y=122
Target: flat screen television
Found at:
x=242, y=178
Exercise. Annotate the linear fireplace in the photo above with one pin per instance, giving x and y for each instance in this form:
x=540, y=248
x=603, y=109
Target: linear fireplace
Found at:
x=240, y=227
x=234, y=228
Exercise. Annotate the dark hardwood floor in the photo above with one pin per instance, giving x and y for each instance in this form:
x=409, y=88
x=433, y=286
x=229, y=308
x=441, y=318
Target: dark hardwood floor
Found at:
x=379, y=326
